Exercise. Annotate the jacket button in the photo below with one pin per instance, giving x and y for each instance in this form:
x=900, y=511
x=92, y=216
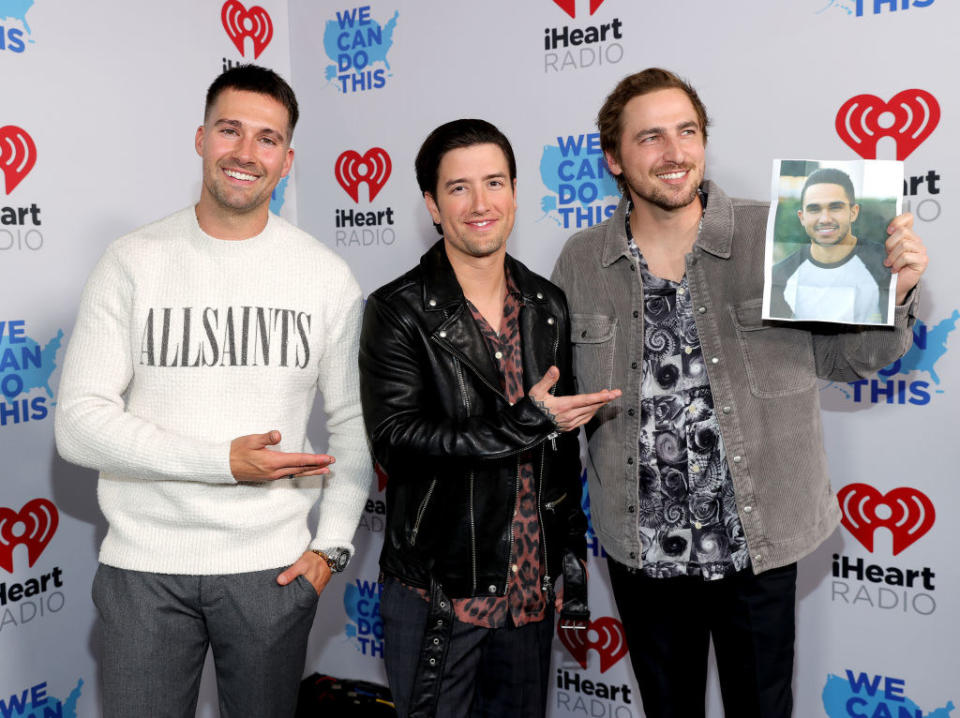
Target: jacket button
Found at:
x=633, y=365
x=491, y=588
x=630, y=460
x=714, y=360
x=632, y=509
x=443, y=604
x=631, y=412
x=737, y=459
x=758, y=558
x=436, y=641
x=632, y=268
x=433, y=661
x=439, y=623
x=747, y=509
x=726, y=410
x=702, y=310
x=443, y=335
x=539, y=295
x=635, y=314
x=550, y=320
x=432, y=302
x=633, y=554
x=583, y=334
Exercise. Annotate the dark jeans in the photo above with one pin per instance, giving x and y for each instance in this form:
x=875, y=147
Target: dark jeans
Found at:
x=495, y=672
x=669, y=622
x=155, y=629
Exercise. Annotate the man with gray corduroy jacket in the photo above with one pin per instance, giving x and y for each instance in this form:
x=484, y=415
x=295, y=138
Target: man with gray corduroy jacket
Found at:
x=708, y=480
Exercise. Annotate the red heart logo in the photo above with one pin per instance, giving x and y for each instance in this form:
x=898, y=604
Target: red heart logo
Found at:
x=911, y=514
x=254, y=23
x=381, y=476
x=610, y=642
x=916, y=114
x=18, y=155
x=33, y=526
x=570, y=6
x=373, y=168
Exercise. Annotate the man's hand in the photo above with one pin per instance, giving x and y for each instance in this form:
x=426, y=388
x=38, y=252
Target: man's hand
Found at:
x=311, y=567
x=568, y=412
x=252, y=460
x=906, y=254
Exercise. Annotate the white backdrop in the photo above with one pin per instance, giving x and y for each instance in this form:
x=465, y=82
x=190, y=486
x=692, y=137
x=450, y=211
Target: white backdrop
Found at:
x=110, y=95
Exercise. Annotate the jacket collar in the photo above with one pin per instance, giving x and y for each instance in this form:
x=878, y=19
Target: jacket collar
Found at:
x=442, y=290
x=716, y=235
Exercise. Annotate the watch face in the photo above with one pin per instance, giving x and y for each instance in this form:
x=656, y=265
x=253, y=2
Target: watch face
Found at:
x=341, y=559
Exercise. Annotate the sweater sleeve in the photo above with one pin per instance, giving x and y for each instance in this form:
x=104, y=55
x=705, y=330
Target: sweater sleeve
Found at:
x=347, y=486
x=92, y=425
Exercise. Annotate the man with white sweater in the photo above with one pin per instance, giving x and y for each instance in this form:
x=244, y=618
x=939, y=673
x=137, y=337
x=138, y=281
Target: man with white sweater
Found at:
x=200, y=343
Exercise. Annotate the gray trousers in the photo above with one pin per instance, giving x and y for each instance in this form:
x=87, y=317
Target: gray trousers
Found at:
x=154, y=631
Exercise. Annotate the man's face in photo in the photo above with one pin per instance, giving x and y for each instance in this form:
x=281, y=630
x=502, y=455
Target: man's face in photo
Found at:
x=826, y=214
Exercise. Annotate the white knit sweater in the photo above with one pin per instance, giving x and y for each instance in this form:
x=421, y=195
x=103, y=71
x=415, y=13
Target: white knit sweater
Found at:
x=184, y=342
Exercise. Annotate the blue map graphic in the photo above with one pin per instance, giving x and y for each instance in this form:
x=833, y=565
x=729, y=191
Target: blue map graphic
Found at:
x=373, y=39
x=16, y=10
x=848, y=698
x=574, y=174
x=25, y=366
x=277, y=196
x=925, y=358
x=51, y=706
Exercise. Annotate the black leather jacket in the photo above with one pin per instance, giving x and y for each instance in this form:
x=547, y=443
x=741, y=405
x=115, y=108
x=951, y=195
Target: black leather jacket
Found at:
x=450, y=441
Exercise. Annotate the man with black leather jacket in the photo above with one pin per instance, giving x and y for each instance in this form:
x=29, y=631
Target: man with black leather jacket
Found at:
x=466, y=387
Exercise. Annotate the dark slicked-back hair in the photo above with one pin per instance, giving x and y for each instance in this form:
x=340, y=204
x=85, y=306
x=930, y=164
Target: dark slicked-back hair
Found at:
x=253, y=78
x=829, y=175
x=610, y=117
x=452, y=136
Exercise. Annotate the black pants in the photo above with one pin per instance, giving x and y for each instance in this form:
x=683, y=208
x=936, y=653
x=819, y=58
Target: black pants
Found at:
x=669, y=622
x=488, y=672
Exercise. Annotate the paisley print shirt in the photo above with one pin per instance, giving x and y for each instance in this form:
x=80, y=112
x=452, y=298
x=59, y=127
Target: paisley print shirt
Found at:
x=687, y=512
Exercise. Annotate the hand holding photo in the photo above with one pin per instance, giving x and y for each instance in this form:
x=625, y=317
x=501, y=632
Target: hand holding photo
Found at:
x=825, y=250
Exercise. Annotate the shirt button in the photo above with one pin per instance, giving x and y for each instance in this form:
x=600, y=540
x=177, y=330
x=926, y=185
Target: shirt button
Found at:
x=758, y=558
x=680, y=291
x=737, y=459
x=715, y=360
x=688, y=350
x=514, y=568
x=498, y=355
x=491, y=588
x=747, y=509
x=695, y=469
x=432, y=302
x=443, y=335
x=702, y=310
x=697, y=525
x=692, y=409
x=726, y=410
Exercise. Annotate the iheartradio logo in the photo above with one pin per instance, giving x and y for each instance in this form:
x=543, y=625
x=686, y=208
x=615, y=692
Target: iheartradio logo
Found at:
x=33, y=526
x=863, y=120
x=18, y=155
x=570, y=6
x=906, y=512
x=254, y=23
x=352, y=169
x=605, y=636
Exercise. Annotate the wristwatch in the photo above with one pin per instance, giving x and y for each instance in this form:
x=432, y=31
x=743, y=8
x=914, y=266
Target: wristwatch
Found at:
x=336, y=558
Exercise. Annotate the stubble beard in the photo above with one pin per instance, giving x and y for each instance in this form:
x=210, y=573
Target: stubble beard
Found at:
x=662, y=199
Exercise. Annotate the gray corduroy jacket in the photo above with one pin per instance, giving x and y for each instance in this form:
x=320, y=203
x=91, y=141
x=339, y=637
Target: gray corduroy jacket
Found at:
x=763, y=376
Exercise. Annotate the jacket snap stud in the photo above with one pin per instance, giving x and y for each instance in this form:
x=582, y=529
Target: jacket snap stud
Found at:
x=550, y=320
x=539, y=295
x=443, y=335
x=432, y=302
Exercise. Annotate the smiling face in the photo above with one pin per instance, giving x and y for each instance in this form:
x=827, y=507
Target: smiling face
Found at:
x=826, y=214
x=475, y=201
x=245, y=147
x=661, y=149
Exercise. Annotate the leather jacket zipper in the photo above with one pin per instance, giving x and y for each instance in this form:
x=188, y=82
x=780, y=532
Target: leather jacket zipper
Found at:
x=421, y=511
x=473, y=523
x=543, y=534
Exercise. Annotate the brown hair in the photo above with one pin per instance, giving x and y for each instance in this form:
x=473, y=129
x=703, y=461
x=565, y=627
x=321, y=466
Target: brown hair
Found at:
x=641, y=83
